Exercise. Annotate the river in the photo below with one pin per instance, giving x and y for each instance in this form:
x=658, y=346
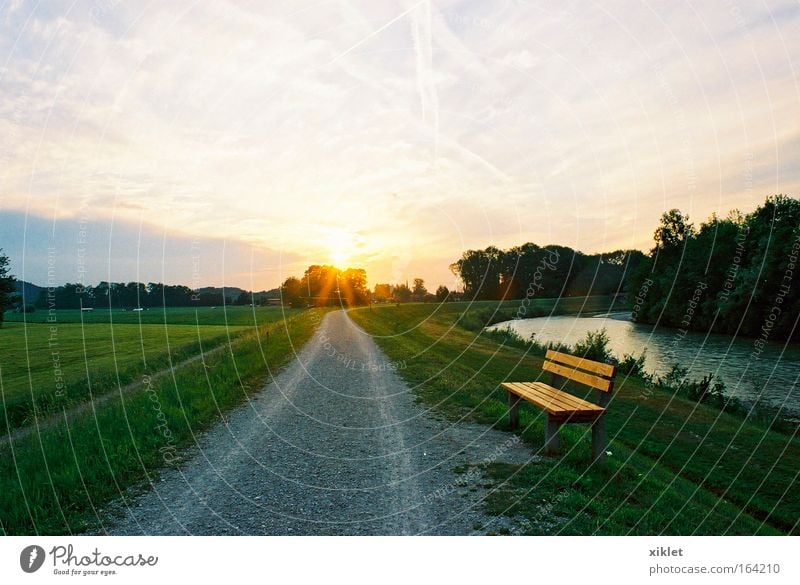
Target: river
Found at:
x=773, y=375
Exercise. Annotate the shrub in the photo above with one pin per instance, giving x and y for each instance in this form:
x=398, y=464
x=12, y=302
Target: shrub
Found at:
x=595, y=347
x=631, y=365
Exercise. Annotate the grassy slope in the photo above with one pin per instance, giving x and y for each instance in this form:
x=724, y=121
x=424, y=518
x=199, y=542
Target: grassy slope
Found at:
x=54, y=483
x=112, y=356
x=677, y=467
x=115, y=347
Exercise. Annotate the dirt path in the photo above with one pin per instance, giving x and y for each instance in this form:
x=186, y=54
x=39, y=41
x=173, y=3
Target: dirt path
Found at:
x=334, y=445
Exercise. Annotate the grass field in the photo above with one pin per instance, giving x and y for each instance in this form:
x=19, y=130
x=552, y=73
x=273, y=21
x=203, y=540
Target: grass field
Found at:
x=677, y=467
x=231, y=315
x=47, y=366
x=57, y=481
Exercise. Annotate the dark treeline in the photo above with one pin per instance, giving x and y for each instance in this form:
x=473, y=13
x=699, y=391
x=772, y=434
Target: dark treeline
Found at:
x=735, y=275
x=132, y=295
x=529, y=271
x=323, y=285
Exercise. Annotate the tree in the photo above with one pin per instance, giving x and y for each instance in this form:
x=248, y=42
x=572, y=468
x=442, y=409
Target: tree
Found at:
x=419, y=291
x=353, y=289
x=383, y=292
x=480, y=272
x=291, y=291
x=7, y=286
x=734, y=275
x=673, y=232
x=320, y=284
x=401, y=293
x=442, y=293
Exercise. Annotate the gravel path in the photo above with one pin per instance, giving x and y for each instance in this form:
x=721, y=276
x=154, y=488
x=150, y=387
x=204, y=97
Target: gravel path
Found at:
x=335, y=444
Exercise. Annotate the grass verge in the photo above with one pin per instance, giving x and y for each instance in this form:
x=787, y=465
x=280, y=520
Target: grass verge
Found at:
x=57, y=481
x=677, y=467
x=44, y=370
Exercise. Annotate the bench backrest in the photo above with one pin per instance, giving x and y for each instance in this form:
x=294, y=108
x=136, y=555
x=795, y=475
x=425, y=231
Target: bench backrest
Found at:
x=595, y=374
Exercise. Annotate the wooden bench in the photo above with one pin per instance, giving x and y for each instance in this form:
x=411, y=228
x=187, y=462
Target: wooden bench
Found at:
x=562, y=407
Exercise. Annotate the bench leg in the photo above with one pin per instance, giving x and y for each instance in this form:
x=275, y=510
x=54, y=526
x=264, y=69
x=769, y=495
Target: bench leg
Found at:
x=551, y=436
x=599, y=440
x=513, y=411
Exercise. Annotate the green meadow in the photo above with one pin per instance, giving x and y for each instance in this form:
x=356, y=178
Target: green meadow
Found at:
x=230, y=315
x=56, y=478
x=676, y=466
x=46, y=366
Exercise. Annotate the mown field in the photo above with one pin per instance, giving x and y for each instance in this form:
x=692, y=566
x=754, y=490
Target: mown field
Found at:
x=56, y=479
x=231, y=315
x=677, y=467
x=48, y=366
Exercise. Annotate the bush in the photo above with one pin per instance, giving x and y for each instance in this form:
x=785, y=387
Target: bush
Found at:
x=675, y=379
x=631, y=365
x=595, y=347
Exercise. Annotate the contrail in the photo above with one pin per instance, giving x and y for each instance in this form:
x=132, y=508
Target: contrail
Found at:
x=373, y=33
x=426, y=84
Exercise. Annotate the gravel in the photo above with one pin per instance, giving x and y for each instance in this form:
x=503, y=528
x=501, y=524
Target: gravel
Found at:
x=334, y=444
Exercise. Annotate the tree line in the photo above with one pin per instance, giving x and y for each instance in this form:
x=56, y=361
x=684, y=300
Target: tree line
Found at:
x=530, y=270
x=324, y=285
x=736, y=275
x=122, y=295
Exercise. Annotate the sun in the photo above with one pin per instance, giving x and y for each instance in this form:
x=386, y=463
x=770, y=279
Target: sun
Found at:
x=340, y=247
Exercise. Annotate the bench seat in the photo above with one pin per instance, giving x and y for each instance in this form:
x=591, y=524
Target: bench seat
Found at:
x=561, y=406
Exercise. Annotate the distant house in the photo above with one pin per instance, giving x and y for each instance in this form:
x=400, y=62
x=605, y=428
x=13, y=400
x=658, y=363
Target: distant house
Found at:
x=273, y=302
x=87, y=309
x=139, y=309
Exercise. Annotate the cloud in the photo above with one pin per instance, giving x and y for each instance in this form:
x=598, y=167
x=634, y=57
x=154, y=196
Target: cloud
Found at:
x=425, y=127
x=81, y=250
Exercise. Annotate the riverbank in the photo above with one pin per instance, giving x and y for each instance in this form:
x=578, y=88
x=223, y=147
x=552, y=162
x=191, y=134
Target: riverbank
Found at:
x=678, y=357
x=676, y=466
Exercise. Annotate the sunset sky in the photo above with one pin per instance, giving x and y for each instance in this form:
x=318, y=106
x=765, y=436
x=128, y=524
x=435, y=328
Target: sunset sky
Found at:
x=234, y=143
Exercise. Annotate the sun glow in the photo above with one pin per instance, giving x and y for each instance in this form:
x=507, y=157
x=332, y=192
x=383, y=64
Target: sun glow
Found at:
x=341, y=246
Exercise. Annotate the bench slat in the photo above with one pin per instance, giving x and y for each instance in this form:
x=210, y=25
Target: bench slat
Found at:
x=572, y=374
x=564, y=399
x=554, y=401
x=553, y=404
x=594, y=367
